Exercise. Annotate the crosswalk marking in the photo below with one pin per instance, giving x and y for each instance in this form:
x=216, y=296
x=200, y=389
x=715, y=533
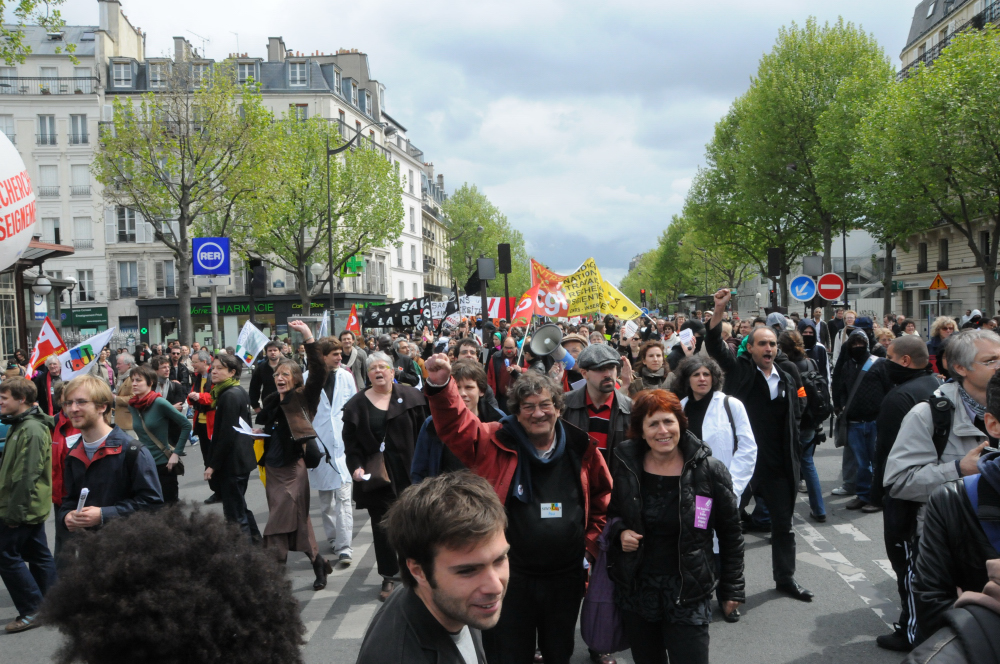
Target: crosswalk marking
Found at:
x=850, y=530
x=355, y=623
x=886, y=567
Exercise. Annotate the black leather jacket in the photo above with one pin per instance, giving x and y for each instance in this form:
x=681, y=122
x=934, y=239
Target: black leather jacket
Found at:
x=703, y=475
x=952, y=552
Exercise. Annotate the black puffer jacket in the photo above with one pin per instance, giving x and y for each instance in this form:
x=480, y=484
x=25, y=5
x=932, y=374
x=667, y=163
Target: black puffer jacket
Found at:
x=953, y=551
x=703, y=475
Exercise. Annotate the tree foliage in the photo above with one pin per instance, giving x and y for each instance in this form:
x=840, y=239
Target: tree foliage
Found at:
x=468, y=209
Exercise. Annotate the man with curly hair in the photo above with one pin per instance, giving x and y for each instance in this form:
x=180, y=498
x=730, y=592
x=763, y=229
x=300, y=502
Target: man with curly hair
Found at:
x=227, y=600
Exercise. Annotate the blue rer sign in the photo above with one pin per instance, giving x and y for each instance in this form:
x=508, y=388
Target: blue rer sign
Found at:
x=211, y=256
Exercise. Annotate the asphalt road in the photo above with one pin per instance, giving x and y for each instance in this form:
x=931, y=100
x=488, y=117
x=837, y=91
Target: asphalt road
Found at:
x=842, y=561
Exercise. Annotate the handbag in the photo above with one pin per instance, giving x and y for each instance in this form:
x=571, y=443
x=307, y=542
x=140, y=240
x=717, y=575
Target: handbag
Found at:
x=841, y=425
x=600, y=620
x=375, y=467
x=166, y=449
x=311, y=453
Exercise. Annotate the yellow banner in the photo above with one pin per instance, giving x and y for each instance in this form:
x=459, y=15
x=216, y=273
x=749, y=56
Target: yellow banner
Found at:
x=617, y=304
x=583, y=289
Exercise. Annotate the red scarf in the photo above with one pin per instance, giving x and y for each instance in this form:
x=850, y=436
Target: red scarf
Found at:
x=145, y=401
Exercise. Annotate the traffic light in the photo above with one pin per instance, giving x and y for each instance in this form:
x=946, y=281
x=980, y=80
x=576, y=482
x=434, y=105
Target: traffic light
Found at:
x=642, y=296
x=258, y=280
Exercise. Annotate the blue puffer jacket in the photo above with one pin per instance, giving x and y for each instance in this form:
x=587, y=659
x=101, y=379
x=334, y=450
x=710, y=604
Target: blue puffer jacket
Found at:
x=115, y=488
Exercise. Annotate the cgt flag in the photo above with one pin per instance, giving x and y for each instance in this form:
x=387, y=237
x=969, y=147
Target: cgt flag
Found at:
x=353, y=322
x=408, y=313
x=48, y=343
x=617, y=304
x=525, y=308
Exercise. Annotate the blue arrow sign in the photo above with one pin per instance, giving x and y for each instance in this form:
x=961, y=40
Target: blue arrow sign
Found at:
x=803, y=288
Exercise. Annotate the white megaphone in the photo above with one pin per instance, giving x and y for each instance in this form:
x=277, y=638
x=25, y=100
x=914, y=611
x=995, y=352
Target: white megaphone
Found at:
x=547, y=340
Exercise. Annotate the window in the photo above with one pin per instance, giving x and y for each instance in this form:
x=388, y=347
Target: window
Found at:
x=158, y=75
x=199, y=75
x=297, y=73
x=416, y=293
x=7, y=126
x=165, y=284
x=85, y=285
x=299, y=111
x=8, y=80
x=84, y=80
x=49, y=75
x=413, y=223
x=48, y=181
x=922, y=257
x=410, y=180
x=121, y=73
x=80, y=176
x=50, y=230
x=354, y=93
x=413, y=257
x=402, y=292
x=46, y=130
x=83, y=233
x=337, y=83
x=128, y=279
x=368, y=103
x=245, y=72
x=942, y=255
x=126, y=224
x=908, y=303
x=78, y=130
x=399, y=255
x=930, y=9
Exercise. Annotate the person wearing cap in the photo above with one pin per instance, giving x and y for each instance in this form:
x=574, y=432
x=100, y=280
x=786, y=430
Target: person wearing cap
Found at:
x=598, y=407
x=574, y=344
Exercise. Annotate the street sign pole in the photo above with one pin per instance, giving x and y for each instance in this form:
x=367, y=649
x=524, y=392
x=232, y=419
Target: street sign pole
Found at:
x=215, y=317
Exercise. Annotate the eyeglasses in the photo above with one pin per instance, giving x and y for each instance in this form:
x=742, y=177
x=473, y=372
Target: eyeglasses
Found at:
x=79, y=403
x=989, y=364
x=544, y=406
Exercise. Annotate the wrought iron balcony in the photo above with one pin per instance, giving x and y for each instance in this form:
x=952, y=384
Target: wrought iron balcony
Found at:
x=990, y=14
x=48, y=192
x=83, y=243
x=45, y=139
x=128, y=291
x=79, y=139
x=79, y=190
x=47, y=85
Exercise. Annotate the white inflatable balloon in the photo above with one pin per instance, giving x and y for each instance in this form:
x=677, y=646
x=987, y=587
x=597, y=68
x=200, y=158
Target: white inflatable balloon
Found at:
x=17, y=204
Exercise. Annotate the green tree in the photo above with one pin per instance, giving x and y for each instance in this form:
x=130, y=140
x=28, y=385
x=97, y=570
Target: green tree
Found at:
x=930, y=150
x=13, y=49
x=477, y=227
x=191, y=151
x=285, y=222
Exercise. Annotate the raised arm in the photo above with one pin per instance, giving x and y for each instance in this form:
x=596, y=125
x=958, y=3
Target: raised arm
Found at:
x=716, y=347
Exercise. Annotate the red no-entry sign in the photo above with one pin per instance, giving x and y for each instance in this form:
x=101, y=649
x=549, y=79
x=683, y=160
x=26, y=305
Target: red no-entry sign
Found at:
x=830, y=286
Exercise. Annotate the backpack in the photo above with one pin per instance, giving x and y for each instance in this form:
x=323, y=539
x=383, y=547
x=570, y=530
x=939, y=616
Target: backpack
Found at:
x=818, y=403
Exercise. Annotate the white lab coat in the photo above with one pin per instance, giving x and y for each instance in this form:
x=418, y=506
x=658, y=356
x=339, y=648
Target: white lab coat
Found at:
x=329, y=426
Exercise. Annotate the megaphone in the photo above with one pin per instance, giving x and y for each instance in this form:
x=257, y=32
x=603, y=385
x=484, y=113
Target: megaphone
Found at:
x=547, y=340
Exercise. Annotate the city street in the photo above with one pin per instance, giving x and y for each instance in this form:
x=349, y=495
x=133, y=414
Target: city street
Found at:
x=842, y=561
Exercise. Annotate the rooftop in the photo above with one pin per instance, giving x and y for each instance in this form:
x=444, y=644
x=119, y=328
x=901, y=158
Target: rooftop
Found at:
x=44, y=43
x=928, y=14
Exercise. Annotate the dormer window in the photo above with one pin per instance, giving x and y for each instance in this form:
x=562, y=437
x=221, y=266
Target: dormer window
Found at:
x=158, y=75
x=337, y=83
x=930, y=9
x=354, y=93
x=368, y=103
x=121, y=73
x=245, y=71
x=199, y=75
x=297, y=73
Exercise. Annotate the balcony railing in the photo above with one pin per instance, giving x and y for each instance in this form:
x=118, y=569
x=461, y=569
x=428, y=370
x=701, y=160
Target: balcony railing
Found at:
x=12, y=138
x=921, y=267
x=47, y=86
x=125, y=237
x=80, y=243
x=48, y=192
x=79, y=139
x=166, y=291
x=45, y=139
x=990, y=14
x=128, y=291
x=79, y=190
x=942, y=265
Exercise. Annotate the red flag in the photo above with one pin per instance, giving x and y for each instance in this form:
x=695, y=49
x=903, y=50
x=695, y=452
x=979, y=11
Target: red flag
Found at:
x=353, y=324
x=525, y=308
x=48, y=343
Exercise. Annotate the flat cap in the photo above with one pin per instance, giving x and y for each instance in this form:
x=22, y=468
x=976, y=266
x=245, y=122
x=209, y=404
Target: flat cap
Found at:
x=579, y=338
x=597, y=356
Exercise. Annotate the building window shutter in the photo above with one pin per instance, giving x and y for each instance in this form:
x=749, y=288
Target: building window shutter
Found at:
x=110, y=226
x=112, y=280
x=158, y=275
x=143, y=286
x=291, y=283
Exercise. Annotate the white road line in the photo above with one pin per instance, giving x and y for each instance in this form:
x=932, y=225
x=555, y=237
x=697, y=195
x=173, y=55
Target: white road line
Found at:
x=355, y=622
x=855, y=577
x=886, y=567
x=851, y=531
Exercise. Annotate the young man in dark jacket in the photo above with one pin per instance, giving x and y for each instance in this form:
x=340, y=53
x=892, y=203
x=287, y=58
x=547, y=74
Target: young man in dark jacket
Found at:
x=262, y=380
x=25, y=502
x=907, y=367
x=448, y=532
x=597, y=407
x=774, y=403
x=118, y=472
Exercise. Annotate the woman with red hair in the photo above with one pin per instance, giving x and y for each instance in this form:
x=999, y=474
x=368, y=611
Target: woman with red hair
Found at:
x=669, y=495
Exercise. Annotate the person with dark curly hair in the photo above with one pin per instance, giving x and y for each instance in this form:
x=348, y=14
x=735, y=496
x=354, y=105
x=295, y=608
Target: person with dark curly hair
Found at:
x=228, y=601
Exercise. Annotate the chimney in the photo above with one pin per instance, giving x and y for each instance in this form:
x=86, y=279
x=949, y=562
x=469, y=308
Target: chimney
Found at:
x=182, y=49
x=276, y=49
x=429, y=167
x=440, y=182
x=109, y=13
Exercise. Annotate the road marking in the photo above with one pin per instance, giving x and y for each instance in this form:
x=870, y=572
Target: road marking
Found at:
x=851, y=531
x=355, y=621
x=886, y=567
x=855, y=577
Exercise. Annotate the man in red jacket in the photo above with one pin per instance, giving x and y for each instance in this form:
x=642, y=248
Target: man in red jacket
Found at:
x=555, y=487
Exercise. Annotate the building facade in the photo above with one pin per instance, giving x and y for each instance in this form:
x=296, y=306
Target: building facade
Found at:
x=436, y=232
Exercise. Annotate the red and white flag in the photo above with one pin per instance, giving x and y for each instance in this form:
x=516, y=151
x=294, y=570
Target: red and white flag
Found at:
x=525, y=308
x=48, y=343
x=353, y=323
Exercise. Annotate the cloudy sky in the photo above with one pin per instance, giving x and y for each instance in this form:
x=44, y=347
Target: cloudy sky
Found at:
x=583, y=121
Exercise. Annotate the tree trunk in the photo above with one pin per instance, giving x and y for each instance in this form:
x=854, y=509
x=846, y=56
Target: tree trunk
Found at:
x=887, y=274
x=183, y=256
x=305, y=296
x=989, y=289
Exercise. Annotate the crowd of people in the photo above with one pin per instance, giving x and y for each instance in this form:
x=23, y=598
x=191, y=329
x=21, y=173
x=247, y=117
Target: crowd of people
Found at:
x=506, y=487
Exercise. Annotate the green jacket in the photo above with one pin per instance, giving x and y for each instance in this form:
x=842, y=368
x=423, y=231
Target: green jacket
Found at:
x=157, y=420
x=26, y=471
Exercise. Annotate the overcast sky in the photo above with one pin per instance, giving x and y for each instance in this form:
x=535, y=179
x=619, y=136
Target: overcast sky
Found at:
x=583, y=121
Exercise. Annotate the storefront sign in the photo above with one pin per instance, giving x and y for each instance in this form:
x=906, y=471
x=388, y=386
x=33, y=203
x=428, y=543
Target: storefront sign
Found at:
x=312, y=305
x=85, y=317
x=259, y=307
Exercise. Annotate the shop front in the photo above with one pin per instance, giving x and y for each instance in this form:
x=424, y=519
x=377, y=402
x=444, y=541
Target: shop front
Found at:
x=158, y=318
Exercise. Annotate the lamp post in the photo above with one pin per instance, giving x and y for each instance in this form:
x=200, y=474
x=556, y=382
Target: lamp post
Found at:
x=386, y=131
x=72, y=286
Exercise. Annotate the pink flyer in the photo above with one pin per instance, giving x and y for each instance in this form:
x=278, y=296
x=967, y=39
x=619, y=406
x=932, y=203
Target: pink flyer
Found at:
x=702, y=510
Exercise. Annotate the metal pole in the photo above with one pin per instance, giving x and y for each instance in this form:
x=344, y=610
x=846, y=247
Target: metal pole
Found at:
x=485, y=304
x=506, y=299
x=248, y=279
x=847, y=304
x=72, y=318
x=329, y=239
x=215, y=317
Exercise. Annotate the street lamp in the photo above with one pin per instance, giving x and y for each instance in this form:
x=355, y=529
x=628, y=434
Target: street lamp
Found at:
x=386, y=131
x=72, y=319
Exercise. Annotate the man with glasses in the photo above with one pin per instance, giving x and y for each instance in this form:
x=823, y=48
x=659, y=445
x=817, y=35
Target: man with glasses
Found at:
x=179, y=373
x=555, y=487
x=918, y=463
